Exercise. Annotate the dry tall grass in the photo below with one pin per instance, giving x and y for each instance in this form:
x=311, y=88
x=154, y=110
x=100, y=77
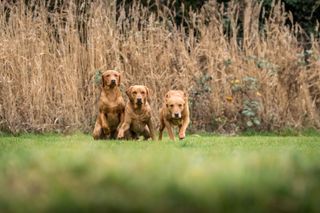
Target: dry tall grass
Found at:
x=261, y=82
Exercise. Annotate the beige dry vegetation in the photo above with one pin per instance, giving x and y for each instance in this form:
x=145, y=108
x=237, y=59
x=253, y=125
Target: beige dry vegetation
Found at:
x=47, y=74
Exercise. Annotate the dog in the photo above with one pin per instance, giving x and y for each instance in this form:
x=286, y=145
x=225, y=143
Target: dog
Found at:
x=111, y=106
x=174, y=112
x=137, y=116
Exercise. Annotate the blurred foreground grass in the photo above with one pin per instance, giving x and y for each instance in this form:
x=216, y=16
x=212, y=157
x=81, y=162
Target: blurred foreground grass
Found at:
x=74, y=173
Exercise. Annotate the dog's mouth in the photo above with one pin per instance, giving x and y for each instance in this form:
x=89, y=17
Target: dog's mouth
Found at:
x=176, y=116
x=139, y=102
x=113, y=84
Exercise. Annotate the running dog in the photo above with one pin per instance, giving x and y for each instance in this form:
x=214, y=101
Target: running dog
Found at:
x=174, y=112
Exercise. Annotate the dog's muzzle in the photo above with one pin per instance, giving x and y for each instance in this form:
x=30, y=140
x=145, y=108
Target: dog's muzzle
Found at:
x=176, y=115
x=113, y=82
x=139, y=101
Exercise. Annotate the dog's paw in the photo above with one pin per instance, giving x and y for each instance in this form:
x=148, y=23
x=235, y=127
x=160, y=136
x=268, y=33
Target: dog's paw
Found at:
x=182, y=135
x=95, y=136
x=120, y=135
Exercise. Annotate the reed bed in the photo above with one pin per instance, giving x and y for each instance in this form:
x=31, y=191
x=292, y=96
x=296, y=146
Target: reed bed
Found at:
x=257, y=77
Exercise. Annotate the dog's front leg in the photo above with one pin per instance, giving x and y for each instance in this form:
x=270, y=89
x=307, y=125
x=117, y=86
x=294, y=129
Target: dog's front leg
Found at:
x=183, y=128
x=162, y=126
x=104, y=123
x=169, y=129
x=121, y=120
x=124, y=127
x=97, y=130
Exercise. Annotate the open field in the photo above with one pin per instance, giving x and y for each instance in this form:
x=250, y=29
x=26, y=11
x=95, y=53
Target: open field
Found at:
x=245, y=174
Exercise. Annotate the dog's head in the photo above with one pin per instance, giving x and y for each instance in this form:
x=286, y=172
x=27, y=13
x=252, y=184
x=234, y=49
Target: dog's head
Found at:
x=176, y=101
x=111, y=78
x=138, y=95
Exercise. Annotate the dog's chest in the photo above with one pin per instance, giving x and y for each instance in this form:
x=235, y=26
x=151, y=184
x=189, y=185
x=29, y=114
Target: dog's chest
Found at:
x=140, y=118
x=139, y=122
x=111, y=107
x=113, y=120
x=176, y=122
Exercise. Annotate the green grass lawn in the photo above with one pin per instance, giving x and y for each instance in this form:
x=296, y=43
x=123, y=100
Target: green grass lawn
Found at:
x=244, y=174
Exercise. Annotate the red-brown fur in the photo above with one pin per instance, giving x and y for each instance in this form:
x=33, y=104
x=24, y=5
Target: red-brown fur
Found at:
x=174, y=112
x=137, y=118
x=111, y=106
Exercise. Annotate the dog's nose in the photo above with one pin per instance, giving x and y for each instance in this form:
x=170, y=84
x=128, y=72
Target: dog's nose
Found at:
x=139, y=100
x=113, y=81
x=176, y=115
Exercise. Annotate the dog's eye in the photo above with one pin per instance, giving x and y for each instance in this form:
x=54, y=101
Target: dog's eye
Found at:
x=134, y=92
x=108, y=76
x=142, y=92
x=171, y=105
x=180, y=105
x=115, y=75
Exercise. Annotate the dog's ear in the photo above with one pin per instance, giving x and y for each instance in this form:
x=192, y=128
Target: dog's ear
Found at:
x=185, y=96
x=128, y=92
x=166, y=99
x=149, y=91
x=119, y=79
x=102, y=79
